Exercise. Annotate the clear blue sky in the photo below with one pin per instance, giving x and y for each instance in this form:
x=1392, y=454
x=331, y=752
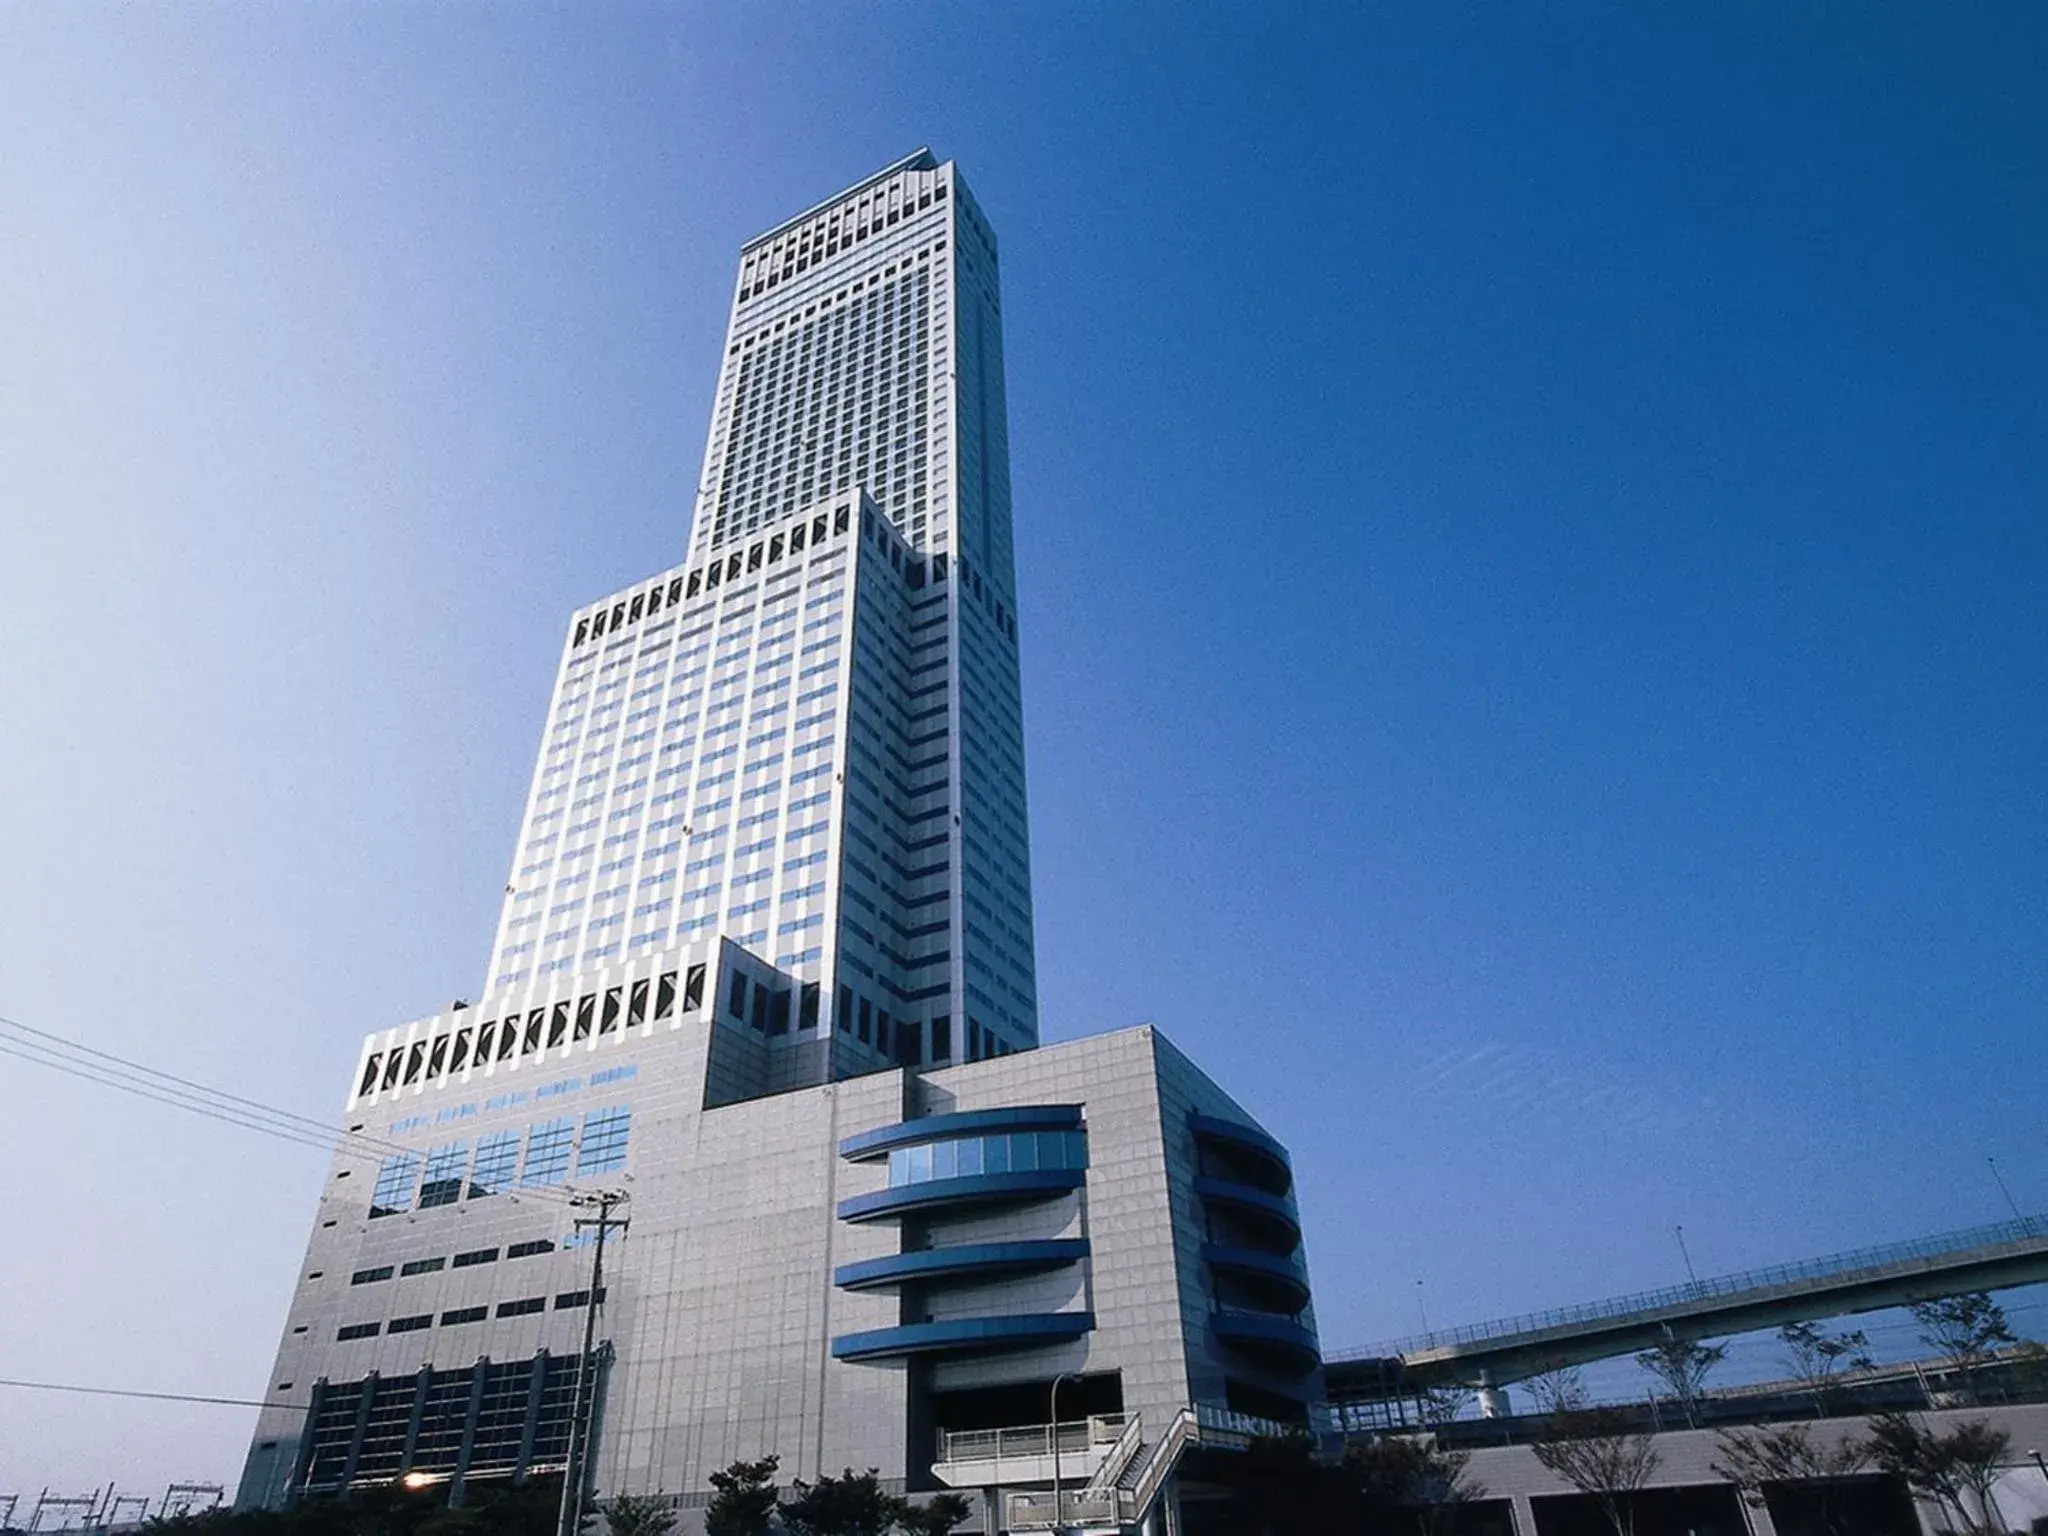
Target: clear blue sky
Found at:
x=1532, y=544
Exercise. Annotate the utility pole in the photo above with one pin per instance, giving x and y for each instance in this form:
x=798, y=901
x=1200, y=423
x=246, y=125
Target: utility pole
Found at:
x=1059, y=1502
x=576, y=1472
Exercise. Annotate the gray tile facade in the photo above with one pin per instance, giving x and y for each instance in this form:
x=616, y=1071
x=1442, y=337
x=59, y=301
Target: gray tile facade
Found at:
x=721, y=1302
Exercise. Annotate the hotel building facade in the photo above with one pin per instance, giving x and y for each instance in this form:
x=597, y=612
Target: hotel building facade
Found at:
x=765, y=967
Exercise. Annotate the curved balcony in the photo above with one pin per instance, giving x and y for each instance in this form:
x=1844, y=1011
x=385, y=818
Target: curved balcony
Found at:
x=1278, y=1342
x=1276, y=1279
x=869, y=1145
x=968, y=1261
x=963, y=1336
x=1269, y=1216
x=981, y=1189
x=1264, y=1158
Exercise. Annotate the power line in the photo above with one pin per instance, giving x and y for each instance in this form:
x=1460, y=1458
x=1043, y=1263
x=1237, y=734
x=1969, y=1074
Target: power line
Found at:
x=162, y=1397
x=112, y=1071
x=59, y=1042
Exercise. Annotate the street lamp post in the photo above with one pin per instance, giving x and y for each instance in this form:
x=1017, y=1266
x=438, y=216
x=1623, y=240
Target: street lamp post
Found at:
x=1059, y=1502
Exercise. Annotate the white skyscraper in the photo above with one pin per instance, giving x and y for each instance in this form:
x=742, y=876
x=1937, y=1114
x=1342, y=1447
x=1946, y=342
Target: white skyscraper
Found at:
x=776, y=845
x=807, y=739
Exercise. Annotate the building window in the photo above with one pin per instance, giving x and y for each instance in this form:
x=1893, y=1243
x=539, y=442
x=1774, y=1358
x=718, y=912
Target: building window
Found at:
x=972, y=1156
x=497, y=1156
x=370, y=1276
x=474, y=1257
x=358, y=1331
x=445, y=1167
x=464, y=1315
x=603, y=1148
x=395, y=1181
x=547, y=1152
x=522, y=1307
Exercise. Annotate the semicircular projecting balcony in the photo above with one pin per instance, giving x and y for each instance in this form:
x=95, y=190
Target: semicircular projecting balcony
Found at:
x=966, y=1261
x=1279, y=1342
x=1277, y=1281
x=870, y=1145
x=963, y=1336
x=1264, y=1160
x=1266, y=1218
x=979, y=1189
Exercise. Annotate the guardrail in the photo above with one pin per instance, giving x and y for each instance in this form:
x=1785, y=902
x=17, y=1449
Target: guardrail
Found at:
x=1925, y=1252
x=1120, y=1456
x=1040, y=1512
x=1078, y=1437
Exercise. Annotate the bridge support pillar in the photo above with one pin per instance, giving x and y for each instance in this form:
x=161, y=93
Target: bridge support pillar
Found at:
x=1493, y=1400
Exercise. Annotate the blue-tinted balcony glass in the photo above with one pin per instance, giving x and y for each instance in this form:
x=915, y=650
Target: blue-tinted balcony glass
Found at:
x=976, y=1156
x=445, y=1168
x=497, y=1157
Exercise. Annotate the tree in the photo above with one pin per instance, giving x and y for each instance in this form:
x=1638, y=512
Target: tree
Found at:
x=1410, y=1478
x=1682, y=1365
x=852, y=1504
x=630, y=1515
x=934, y=1518
x=1952, y=1469
x=743, y=1499
x=1442, y=1405
x=1816, y=1357
x=1967, y=1330
x=1597, y=1450
x=1755, y=1459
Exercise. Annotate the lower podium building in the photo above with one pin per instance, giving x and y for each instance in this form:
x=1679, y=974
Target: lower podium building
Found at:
x=887, y=1271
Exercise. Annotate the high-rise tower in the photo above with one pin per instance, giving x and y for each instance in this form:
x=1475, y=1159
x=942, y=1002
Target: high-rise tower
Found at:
x=808, y=738
x=775, y=848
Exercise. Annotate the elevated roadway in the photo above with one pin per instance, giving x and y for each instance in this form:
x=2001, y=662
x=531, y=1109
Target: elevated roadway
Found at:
x=1866, y=1280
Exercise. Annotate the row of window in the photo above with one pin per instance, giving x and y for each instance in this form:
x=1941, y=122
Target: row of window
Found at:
x=445, y=1174
x=707, y=578
x=971, y=1156
x=826, y=236
x=439, y=1262
x=525, y=1306
x=544, y=1029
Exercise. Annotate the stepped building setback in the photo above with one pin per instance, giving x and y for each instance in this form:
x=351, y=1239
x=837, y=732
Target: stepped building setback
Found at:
x=766, y=965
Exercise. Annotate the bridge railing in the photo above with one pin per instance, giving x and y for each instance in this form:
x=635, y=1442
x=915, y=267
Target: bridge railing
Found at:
x=1837, y=1266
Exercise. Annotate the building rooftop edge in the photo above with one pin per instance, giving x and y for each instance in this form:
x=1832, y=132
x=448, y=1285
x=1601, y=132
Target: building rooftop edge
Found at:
x=919, y=159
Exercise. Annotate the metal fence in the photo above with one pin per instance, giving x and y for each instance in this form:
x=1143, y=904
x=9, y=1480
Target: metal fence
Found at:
x=1079, y=1437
